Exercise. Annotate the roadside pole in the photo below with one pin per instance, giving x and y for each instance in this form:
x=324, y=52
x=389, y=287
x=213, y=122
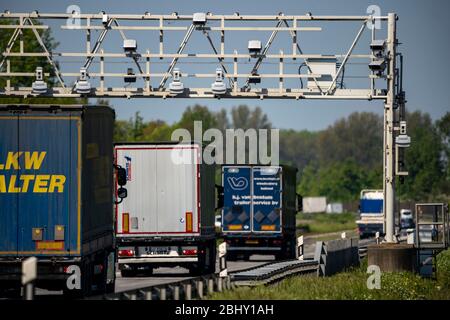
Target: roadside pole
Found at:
x=389, y=156
x=223, y=260
x=29, y=273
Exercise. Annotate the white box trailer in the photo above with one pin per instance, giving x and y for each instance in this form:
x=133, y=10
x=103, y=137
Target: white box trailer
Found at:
x=314, y=204
x=168, y=217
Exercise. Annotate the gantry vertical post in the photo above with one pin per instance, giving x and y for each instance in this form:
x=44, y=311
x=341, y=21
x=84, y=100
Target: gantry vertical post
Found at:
x=389, y=138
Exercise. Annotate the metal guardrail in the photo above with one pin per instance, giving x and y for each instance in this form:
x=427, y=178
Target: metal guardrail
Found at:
x=194, y=288
x=199, y=287
x=273, y=271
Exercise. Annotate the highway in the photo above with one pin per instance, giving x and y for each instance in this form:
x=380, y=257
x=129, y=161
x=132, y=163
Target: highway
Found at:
x=168, y=275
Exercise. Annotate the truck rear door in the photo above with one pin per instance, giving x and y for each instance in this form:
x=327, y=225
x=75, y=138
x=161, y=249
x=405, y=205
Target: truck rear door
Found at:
x=267, y=199
x=41, y=205
x=163, y=195
x=236, y=215
x=9, y=125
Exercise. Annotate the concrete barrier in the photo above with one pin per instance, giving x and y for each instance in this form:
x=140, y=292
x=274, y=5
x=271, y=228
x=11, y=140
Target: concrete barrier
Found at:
x=336, y=255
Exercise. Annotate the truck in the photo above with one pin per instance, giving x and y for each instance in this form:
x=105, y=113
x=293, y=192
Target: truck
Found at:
x=56, y=196
x=259, y=208
x=371, y=216
x=168, y=218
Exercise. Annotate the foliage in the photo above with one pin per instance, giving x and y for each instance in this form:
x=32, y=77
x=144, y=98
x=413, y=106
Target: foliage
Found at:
x=340, y=181
x=336, y=162
x=351, y=285
x=423, y=159
x=31, y=44
x=325, y=223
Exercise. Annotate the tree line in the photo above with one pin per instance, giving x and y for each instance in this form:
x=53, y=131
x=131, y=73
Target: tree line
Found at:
x=336, y=162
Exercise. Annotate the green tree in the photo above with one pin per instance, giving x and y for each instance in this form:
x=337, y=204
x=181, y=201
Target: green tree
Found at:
x=422, y=158
x=197, y=113
x=29, y=64
x=298, y=148
x=340, y=181
x=358, y=138
x=244, y=118
x=31, y=44
x=443, y=126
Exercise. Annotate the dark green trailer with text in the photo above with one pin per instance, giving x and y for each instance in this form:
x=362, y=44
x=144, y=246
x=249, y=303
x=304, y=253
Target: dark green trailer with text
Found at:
x=56, y=197
x=259, y=208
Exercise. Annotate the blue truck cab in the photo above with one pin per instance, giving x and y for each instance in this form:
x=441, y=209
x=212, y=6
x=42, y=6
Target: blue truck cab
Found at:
x=371, y=216
x=56, y=196
x=259, y=208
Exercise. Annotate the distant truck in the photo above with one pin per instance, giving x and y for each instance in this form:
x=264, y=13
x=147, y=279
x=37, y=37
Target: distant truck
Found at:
x=259, y=208
x=56, y=196
x=371, y=217
x=168, y=217
x=406, y=219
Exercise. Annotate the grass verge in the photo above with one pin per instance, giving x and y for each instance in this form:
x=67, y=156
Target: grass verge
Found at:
x=325, y=223
x=351, y=285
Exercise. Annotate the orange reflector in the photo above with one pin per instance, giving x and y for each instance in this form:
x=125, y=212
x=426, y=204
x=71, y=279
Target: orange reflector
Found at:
x=49, y=245
x=235, y=227
x=269, y=227
x=189, y=222
x=125, y=222
x=251, y=241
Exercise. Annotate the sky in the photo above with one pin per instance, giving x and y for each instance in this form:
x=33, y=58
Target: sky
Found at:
x=423, y=29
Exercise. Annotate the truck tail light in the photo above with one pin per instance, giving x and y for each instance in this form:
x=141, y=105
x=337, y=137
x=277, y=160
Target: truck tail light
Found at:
x=189, y=222
x=189, y=252
x=126, y=253
x=125, y=222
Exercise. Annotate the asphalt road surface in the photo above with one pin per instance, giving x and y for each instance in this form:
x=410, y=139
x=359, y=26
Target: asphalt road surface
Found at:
x=168, y=275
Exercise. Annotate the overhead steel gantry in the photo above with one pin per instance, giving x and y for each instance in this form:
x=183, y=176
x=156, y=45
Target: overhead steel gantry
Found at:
x=322, y=73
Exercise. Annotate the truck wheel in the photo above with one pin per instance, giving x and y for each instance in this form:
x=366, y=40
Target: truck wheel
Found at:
x=128, y=273
x=109, y=287
x=211, y=267
x=87, y=273
x=231, y=256
x=148, y=271
x=13, y=293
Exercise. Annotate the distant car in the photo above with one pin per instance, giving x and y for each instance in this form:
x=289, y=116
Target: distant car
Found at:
x=218, y=221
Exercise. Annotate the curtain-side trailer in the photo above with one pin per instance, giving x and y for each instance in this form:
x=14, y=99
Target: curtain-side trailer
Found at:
x=259, y=208
x=168, y=217
x=56, y=196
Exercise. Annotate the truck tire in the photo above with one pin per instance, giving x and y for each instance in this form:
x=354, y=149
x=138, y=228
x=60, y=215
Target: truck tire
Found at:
x=211, y=263
x=109, y=287
x=128, y=273
x=231, y=256
x=87, y=274
x=292, y=248
x=148, y=271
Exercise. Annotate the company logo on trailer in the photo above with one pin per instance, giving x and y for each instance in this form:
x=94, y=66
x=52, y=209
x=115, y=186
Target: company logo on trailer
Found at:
x=128, y=167
x=240, y=183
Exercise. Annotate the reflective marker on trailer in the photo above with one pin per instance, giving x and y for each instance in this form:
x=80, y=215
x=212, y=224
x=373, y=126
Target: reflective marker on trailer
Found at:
x=125, y=222
x=189, y=252
x=189, y=222
x=126, y=253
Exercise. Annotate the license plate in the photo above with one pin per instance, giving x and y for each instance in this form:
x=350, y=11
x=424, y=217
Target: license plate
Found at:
x=157, y=250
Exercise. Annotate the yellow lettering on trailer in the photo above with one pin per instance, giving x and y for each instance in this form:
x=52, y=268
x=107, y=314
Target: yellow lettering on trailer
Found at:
x=33, y=160
x=41, y=183
x=26, y=178
x=57, y=182
x=2, y=184
x=12, y=185
x=12, y=160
